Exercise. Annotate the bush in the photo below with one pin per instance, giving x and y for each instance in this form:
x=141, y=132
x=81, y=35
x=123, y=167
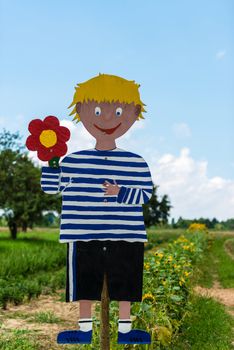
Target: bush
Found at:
x=167, y=286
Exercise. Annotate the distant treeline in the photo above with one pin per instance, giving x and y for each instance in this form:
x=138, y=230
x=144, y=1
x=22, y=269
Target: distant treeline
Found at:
x=210, y=224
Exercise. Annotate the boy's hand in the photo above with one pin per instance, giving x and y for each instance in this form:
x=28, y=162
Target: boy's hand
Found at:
x=111, y=189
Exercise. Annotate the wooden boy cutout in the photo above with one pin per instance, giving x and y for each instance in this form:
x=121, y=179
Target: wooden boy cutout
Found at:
x=103, y=190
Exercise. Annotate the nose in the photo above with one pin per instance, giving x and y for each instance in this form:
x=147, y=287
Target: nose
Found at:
x=107, y=116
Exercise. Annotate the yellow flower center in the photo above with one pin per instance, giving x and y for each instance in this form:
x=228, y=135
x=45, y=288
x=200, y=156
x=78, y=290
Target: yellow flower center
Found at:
x=48, y=138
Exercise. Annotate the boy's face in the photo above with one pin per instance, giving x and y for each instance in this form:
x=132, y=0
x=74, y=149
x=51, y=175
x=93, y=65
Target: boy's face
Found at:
x=106, y=120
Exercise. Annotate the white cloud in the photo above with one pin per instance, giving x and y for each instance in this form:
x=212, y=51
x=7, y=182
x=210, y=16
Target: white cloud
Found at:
x=80, y=137
x=192, y=193
x=220, y=54
x=181, y=130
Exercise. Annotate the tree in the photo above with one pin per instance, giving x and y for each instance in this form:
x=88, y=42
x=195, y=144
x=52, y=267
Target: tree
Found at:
x=21, y=196
x=151, y=209
x=164, y=208
x=156, y=211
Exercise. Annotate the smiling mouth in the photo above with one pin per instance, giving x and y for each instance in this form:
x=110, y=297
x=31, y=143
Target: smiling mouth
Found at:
x=108, y=131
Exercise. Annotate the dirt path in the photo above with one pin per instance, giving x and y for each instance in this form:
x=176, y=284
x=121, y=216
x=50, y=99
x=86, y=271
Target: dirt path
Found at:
x=223, y=295
x=23, y=317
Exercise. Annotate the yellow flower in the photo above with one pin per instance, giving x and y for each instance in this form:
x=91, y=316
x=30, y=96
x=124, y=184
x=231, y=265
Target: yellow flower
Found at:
x=197, y=227
x=186, y=273
x=148, y=296
x=181, y=281
x=146, y=266
x=181, y=239
x=160, y=255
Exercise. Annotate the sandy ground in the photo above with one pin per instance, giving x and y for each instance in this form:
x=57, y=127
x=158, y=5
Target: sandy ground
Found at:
x=23, y=317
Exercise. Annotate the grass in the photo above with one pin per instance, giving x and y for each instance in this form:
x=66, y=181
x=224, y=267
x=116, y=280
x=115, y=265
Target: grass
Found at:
x=18, y=340
x=217, y=264
x=45, y=317
x=33, y=264
x=229, y=245
x=207, y=327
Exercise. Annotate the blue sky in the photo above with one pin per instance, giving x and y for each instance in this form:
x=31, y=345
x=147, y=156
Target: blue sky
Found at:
x=181, y=52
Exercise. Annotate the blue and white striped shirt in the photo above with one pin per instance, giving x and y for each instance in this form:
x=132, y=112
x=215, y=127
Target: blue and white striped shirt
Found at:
x=87, y=213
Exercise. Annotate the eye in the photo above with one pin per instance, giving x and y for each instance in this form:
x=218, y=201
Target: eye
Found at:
x=118, y=111
x=98, y=111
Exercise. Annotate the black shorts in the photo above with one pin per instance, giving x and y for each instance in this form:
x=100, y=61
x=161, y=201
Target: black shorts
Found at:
x=87, y=262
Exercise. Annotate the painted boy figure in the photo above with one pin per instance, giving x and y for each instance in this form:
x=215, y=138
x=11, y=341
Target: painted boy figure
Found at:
x=103, y=190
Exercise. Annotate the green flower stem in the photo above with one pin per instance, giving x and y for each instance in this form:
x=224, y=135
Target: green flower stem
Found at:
x=54, y=162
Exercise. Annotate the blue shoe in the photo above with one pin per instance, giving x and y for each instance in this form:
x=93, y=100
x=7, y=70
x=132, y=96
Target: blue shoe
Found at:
x=135, y=336
x=74, y=337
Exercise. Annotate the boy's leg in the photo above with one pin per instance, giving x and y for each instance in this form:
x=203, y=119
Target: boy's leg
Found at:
x=125, y=323
x=124, y=309
x=85, y=308
x=85, y=320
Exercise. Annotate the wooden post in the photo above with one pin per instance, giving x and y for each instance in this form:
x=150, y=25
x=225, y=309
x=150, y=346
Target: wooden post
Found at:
x=104, y=329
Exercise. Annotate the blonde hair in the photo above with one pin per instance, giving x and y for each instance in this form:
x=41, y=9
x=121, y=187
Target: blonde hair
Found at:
x=107, y=88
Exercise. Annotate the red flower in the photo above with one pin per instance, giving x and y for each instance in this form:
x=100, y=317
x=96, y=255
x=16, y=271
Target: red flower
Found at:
x=48, y=138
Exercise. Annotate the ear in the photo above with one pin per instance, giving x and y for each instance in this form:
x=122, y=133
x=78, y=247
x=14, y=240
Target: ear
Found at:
x=137, y=110
x=78, y=107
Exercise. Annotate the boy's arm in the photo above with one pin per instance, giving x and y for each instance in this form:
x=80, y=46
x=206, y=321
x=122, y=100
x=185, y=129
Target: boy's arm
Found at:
x=139, y=195
x=50, y=179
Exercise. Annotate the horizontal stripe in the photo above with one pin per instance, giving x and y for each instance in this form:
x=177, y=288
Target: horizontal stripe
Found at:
x=100, y=217
x=101, y=204
x=50, y=176
x=95, y=227
x=93, y=189
x=100, y=213
x=106, y=208
x=96, y=181
x=97, y=232
x=107, y=162
x=50, y=191
x=100, y=166
x=103, y=235
x=110, y=158
x=132, y=240
x=51, y=171
x=105, y=172
x=50, y=188
x=78, y=198
x=99, y=192
x=89, y=195
x=95, y=222
x=55, y=183
x=85, y=189
x=107, y=153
